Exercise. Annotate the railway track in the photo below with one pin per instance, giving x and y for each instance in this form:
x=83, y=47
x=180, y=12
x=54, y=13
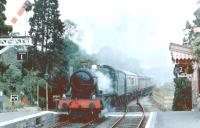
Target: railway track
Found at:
x=90, y=124
x=61, y=124
x=127, y=119
x=68, y=124
x=74, y=125
x=129, y=122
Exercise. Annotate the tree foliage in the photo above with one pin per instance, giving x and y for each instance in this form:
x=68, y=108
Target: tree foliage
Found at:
x=182, y=95
x=188, y=38
x=70, y=29
x=11, y=80
x=4, y=29
x=46, y=31
x=192, y=36
x=3, y=68
x=52, y=51
x=30, y=83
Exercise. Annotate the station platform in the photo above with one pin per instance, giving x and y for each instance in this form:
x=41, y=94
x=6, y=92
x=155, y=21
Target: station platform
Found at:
x=168, y=119
x=8, y=116
x=178, y=119
x=27, y=119
x=120, y=114
x=175, y=119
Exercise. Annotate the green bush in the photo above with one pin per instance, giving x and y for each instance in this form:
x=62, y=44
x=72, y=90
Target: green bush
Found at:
x=182, y=95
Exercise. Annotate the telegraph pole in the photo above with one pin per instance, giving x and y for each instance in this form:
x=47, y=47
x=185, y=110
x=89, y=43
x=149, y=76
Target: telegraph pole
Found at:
x=46, y=75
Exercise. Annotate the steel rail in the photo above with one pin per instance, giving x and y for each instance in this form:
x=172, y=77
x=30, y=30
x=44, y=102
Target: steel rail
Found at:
x=61, y=124
x=143, y=116
x=119, y=120
x=124, y=115
x=88, y=124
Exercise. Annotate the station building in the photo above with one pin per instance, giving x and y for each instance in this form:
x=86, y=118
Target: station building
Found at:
x=183, y=59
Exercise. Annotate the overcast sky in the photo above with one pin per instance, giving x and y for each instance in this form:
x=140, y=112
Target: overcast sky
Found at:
x=141, y=29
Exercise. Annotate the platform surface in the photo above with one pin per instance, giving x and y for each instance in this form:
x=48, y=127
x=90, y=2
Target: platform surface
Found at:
x=26, y=111
x=180, y=119
x=13, y=115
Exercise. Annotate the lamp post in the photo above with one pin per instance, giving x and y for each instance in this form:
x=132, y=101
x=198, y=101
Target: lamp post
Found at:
x=46, y=75
x=138, y=91
x=38, y=96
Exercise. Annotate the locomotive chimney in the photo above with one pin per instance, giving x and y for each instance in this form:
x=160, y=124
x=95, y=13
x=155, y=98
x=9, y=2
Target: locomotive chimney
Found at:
x=84, y=64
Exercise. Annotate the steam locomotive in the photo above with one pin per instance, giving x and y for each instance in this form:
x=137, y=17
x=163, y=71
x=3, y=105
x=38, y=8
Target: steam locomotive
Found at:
x=103, y=88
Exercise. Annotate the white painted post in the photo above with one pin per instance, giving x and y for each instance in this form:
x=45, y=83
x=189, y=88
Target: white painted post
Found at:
x=195, y=85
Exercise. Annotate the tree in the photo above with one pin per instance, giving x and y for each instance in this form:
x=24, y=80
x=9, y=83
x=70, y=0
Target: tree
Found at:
x=188, y=38
x=46, y=27
x=3, y=68
x=46, y=31
x=30, y=83
x=70, y=29
x=182, y=95
x=192, y=36
x=48, y=51
x=71, y=53
x=4, y=29
x=12, y=80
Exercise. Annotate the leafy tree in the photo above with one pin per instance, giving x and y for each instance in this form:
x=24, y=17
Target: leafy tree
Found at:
x=12, y=79
x=2, y=15
x=46, y=31
x=188, y=38
x=4, y=29
x=10, y=70
x=70, y=29
x=192, y=37
x=3, y=68
x=182, y=95
x=51, y=51
x=48, y=51
x=30, y=83
x=71, y=52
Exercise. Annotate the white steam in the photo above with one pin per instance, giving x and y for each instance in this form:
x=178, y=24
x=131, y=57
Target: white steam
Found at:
x=104, y=82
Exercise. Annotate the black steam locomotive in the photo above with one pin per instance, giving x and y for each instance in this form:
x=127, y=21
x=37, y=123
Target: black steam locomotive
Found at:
x=95, y=91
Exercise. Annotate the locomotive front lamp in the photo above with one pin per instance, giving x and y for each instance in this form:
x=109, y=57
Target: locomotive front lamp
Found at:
x=94, y=66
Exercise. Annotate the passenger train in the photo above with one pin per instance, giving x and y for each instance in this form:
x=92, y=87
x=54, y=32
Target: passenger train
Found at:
x=100, y=89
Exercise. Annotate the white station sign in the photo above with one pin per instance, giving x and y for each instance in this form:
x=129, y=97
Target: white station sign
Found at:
x=13, y=98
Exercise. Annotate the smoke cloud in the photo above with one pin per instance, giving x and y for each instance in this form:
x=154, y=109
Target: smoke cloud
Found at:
x=119, y=60
x=104, y=82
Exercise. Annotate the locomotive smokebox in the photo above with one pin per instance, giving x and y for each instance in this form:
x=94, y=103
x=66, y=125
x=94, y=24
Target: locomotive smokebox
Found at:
x=83, y=83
